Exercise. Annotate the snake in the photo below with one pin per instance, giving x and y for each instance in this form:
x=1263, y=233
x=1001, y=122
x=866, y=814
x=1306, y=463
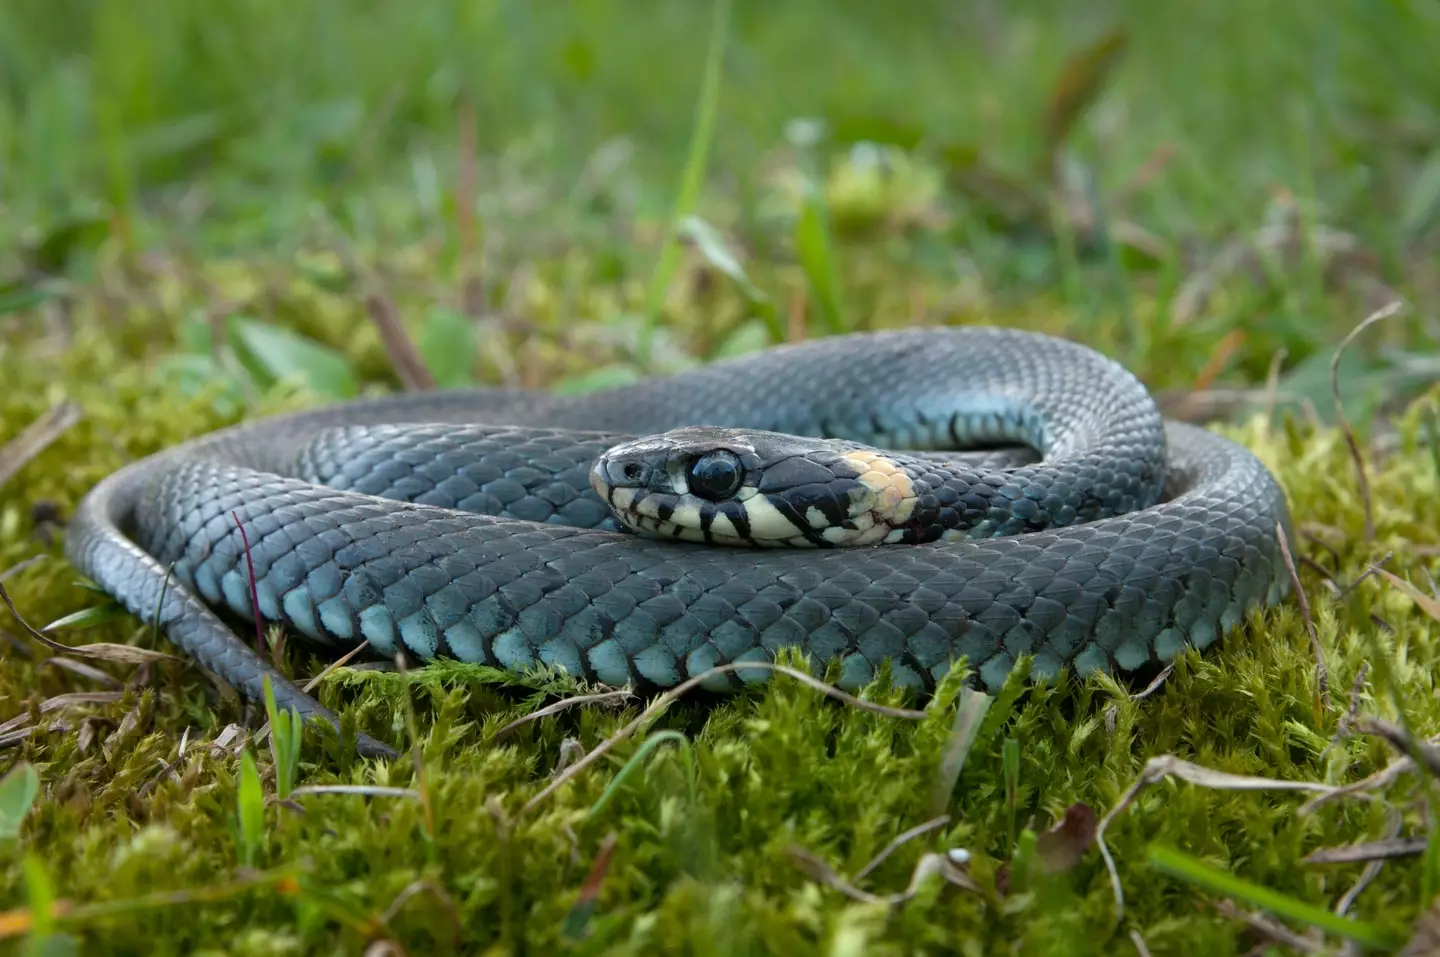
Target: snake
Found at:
x=891, y=501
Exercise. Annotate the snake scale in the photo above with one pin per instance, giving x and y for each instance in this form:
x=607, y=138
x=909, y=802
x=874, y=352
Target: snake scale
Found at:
x=923, y=495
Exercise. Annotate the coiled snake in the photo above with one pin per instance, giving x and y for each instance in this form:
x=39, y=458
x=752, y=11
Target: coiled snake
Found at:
x=495, y=525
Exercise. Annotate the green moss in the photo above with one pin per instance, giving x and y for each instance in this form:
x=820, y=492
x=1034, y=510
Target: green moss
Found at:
x=700, y=864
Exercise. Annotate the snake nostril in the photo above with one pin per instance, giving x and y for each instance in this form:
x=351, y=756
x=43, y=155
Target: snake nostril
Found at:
x=633, y=471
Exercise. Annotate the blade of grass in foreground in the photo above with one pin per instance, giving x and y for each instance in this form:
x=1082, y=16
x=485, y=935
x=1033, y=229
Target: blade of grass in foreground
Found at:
x=1193, y=871
x=691, y=179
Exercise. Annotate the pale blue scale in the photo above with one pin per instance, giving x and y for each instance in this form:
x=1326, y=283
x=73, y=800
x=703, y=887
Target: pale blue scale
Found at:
x=466, y=642
x=377, y=625
x=335, y=617
x=418, y=633
x=512, y=650
x=299, y=610
x=609, y=662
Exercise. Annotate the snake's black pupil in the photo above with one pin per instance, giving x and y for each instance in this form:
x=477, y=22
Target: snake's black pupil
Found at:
x=715, y=476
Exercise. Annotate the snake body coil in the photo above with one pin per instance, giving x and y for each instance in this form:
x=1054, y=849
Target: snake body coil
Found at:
x=465, y=524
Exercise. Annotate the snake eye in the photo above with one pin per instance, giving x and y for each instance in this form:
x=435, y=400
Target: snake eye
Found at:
x=716, y=475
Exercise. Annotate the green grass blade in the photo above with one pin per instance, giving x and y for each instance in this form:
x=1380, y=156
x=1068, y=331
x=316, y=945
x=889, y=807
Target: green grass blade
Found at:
x=692, y=178
x=250, y=805
x=816, y=248
x=638, y=759
x=1180, y=865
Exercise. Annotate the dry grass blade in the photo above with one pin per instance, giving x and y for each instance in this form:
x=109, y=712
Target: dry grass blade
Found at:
x=367, y=790
x=968, y=719
x=1380, y=779
x=1369, y=873
x=1141, y=947
x=36, y=437
x=61, y=701
x=101, y=651
x=1427, y=603
x=1400, y=741
x=82, y=669
x=561, y=705
x=928, y=866
x=1155, y=684
x=1322, y=674
x=664, y=701
x=435, y=890
x=1382, y=850
x=900, y=841
x=1346, y=428
x=1168, y=765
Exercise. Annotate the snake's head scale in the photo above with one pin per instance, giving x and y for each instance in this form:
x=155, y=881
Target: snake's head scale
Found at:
x=752, y=488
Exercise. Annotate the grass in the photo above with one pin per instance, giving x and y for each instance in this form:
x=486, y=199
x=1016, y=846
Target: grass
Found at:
x=209, y=217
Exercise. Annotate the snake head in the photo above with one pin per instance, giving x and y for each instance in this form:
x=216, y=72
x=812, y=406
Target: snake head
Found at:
x=749, y=487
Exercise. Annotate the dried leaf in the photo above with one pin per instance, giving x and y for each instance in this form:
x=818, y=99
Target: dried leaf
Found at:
x=1064, y=845
x=126, y=654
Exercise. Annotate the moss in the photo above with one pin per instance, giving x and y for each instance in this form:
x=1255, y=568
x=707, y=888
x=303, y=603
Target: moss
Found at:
x=702, y=864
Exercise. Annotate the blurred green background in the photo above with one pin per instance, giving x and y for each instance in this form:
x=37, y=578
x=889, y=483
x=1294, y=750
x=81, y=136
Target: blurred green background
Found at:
x=1192, y=186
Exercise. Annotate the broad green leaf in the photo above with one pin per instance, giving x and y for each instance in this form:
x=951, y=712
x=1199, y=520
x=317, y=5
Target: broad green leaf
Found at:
x=18, y=790
x=285, y=356
x=448, y=343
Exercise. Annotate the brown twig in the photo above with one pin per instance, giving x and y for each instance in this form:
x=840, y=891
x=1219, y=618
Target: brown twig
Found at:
x=1349, y=430
x=404, y=356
